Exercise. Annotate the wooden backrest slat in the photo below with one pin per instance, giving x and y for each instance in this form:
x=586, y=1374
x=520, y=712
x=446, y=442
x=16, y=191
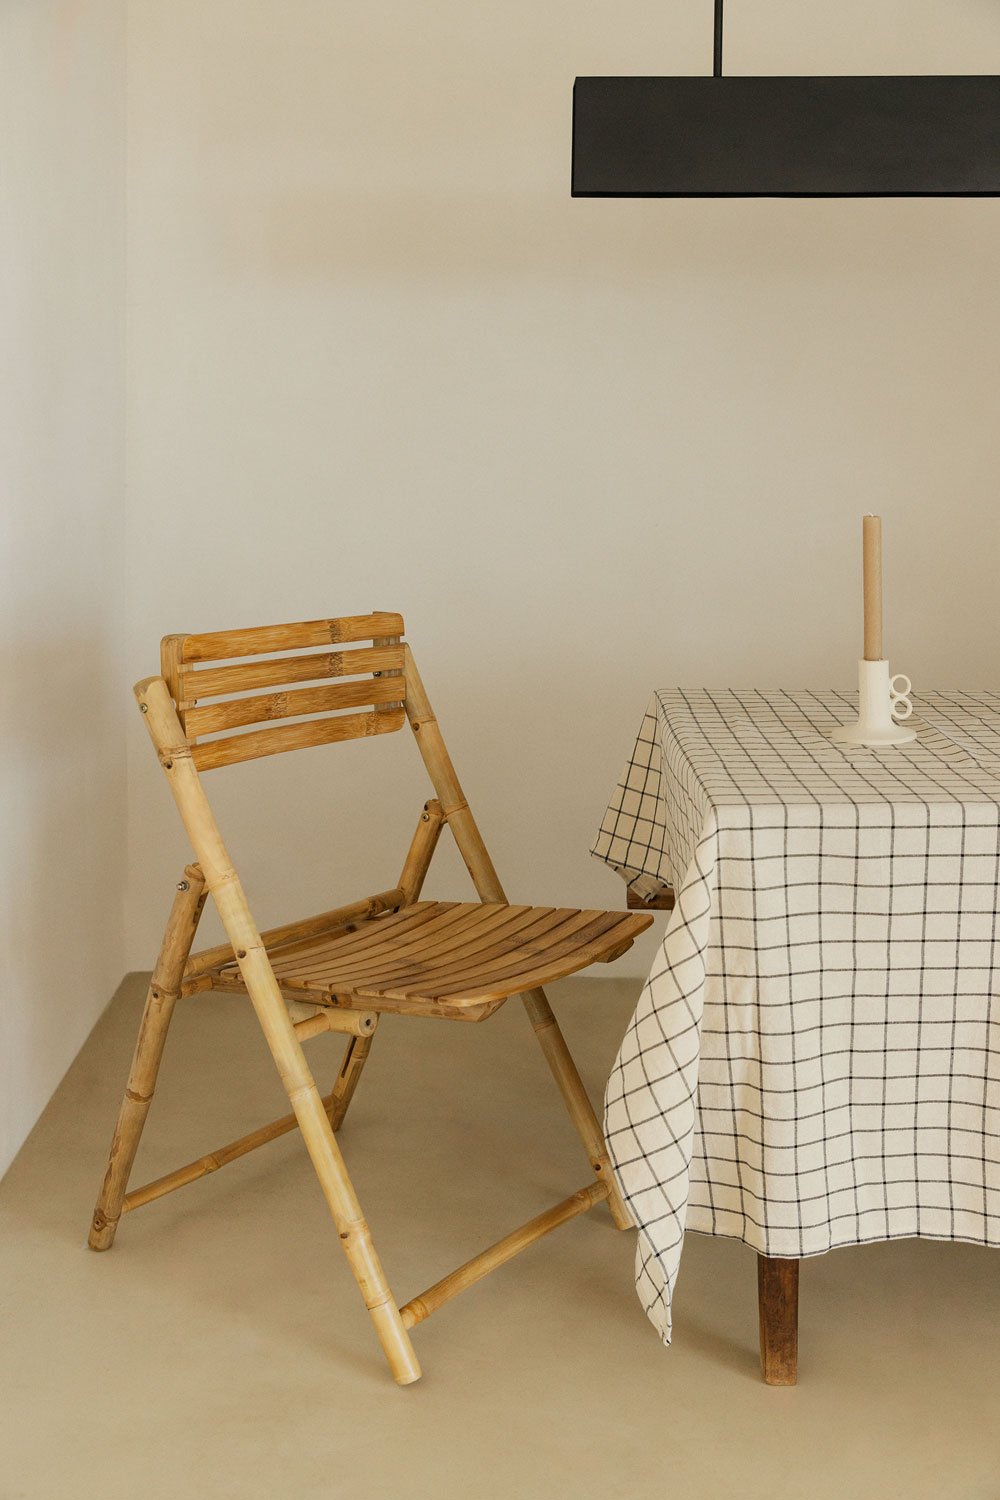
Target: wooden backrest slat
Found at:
x=233, y=713
x=260, y=640
x=245, y=677
x=201, y=668
x=210, y=754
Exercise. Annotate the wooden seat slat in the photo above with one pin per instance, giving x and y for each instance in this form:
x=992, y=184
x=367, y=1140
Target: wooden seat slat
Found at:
x=482, y=942
x=313, y=948
x=569, y=936
x=454, y=952
x=525, y=974
x=373, y=936
x=438, y=940
x=386, y=967
x=455, y=965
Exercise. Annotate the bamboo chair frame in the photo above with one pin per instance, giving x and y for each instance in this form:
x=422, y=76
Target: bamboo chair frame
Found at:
x=175, y=719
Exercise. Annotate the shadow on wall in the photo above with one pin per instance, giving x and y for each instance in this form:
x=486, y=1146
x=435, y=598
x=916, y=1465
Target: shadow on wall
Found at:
x=64, y=828
x=405, y=235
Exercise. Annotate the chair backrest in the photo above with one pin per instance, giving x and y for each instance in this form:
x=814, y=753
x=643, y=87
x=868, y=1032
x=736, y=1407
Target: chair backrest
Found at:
x=209, y=691
x=216, y=681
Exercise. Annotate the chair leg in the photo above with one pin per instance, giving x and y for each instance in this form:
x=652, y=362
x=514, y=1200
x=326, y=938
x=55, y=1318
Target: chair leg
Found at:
x=160, y=1000
x=355, y=1057
x=355, y=1236
x=314, y=1123
x=460, y=820
x=575, y=1096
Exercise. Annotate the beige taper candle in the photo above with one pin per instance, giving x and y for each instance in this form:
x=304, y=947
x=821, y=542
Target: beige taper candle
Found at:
x=872, y=531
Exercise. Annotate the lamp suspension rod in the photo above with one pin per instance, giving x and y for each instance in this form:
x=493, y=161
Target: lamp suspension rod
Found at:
x=717, y=65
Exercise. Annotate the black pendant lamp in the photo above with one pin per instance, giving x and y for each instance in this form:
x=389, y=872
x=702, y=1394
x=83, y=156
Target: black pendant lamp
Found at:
x=847, y=137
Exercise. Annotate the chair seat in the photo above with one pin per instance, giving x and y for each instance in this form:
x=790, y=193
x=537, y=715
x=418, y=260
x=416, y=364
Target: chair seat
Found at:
x=451, y=954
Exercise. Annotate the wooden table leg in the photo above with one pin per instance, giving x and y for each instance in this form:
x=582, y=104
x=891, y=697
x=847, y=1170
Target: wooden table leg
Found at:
x=778, y=1306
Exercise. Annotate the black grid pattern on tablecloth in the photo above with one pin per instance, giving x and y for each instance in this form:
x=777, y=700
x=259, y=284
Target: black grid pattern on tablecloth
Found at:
x=815, y=1058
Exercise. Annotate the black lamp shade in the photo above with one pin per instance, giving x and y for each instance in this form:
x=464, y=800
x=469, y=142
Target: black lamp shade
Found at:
x=786, y=137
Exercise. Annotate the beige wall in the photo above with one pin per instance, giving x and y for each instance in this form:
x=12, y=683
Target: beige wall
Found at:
x=62, y=105
x=379, y=357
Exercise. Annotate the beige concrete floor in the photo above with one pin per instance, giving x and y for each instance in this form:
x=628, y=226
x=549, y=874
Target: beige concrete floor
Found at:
x=221, y=1350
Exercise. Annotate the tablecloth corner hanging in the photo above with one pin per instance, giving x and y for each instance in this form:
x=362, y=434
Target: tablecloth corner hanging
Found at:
x=815, y=1057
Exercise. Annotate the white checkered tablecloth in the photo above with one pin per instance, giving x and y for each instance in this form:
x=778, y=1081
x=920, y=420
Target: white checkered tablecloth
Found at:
x=815, y=1059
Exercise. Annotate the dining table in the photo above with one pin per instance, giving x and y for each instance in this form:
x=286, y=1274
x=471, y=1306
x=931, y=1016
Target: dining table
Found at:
x=814, y=1060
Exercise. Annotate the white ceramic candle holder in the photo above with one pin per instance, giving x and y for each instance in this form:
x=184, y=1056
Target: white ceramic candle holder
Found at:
x=882, y=703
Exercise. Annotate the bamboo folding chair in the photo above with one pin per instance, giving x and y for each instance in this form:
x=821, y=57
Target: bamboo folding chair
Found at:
x=391, y=953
